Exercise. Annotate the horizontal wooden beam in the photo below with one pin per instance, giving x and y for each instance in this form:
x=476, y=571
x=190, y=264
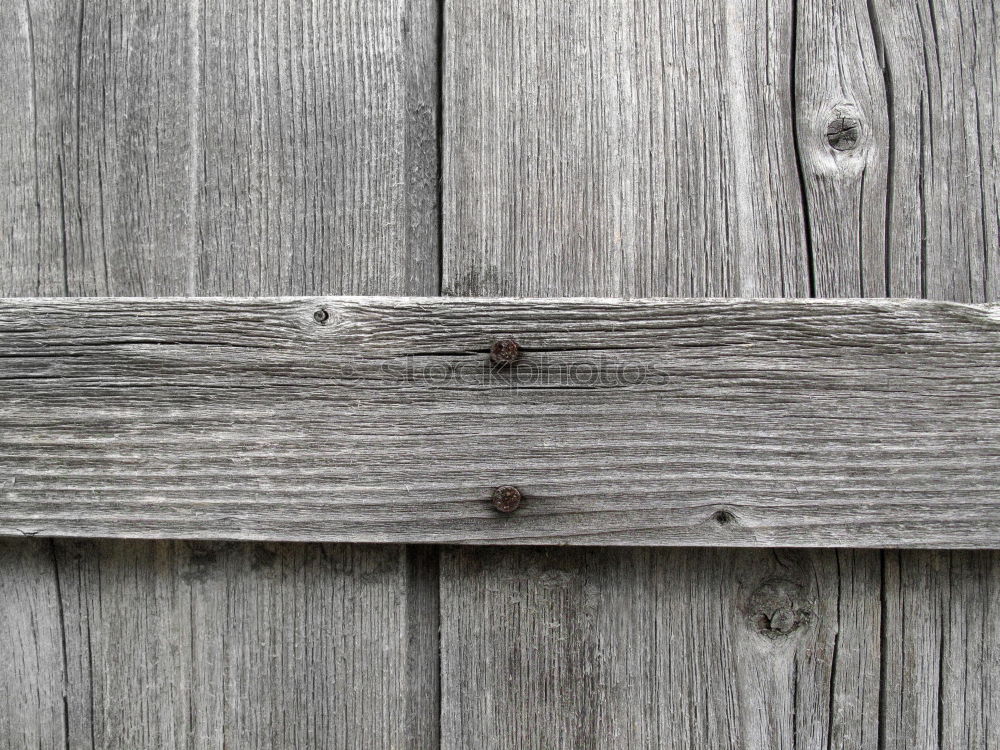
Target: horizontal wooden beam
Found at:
x=654, y=422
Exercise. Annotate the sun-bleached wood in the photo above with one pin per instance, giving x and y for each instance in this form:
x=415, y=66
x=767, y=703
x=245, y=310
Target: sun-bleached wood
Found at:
x=690, y=663
x=31, y=660
x=938, y=67
x=252, y=645
x=941, y=64
x=587, y=153
x=605, y=115
x=162, y=148
x=839, y=88
x=656, y=421
x=178, y=148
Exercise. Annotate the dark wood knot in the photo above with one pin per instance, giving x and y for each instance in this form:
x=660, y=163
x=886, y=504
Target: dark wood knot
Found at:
x=723, y=517
x=843, y=133
x=779, y=607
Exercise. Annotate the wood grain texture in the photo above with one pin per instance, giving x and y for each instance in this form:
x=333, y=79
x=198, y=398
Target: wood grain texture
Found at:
x=244, y=645
x=941, y=636
x=198, y=148
x=98, y=141
x=843, y=141
x=318, y=128
x=587, y=154
x=160, y=148
x=623, y=422
x=908, y=205
x=32, y=659
x=533, y=111
x=941, y=62
x=723, y=648
x=938, y=642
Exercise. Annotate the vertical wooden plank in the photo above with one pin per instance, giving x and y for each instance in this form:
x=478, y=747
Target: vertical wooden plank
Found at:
x=32, y=707
x=547, y=632
x=588, y=153
x=659, y=648
x=842, y=138
x=938, y=68
x=33, y=54
x=241, y=148
x=940, y=671
x=942, y=67
x=585, y=153
x=35, y=44
x=128, y=147
x=98, y=144
x=314, y=645
x=126, y=621
x=291, y=200
x=968, y=676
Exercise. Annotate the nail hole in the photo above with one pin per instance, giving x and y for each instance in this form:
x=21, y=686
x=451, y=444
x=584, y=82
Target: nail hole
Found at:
x=321, y=316
x=723, y=517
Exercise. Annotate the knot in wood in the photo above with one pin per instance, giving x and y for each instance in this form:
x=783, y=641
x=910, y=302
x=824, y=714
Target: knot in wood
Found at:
x=723, y=517
x=507, y=498
x=321, y=316
x=779, y=607
x=843, y=133
x=504, y=352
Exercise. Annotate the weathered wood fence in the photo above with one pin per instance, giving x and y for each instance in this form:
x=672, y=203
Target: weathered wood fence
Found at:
x=465, y=148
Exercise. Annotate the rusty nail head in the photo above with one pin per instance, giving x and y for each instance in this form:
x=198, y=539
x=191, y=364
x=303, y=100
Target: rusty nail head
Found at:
x=507, y=498
x=504, y=352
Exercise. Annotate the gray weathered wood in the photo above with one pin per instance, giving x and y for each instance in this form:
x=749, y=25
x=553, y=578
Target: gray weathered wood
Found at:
x=547, y=103
x=159, y=148
x=98, y=140
x=593, y=148
x=245, y=645
x=195, y=148
x=32, y=661
x=659, y=422
x=942, y=649
x=843, y=141
x=659, y=648
x=620, y=149
x=938, y=668
x=317, y=130
x=942, y=67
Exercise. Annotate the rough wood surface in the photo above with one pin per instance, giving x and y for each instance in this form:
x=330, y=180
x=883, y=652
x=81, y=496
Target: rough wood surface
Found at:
x=655, y=422
x=32, y=660
x=317, y=132
x=586, y=153
x=659, y=648
x=566, y=109
x=941, y=63
x=159, y=148
x=150, y=148
x=938, y=640
x=591, y=148
x=246, y=645
x=842, y=134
